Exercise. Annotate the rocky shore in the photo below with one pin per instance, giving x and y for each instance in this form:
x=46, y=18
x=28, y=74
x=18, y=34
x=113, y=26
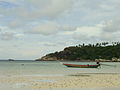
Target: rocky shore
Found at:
x=49, y=58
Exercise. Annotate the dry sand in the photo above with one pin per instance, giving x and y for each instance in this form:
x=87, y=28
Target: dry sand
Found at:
x=55, y=82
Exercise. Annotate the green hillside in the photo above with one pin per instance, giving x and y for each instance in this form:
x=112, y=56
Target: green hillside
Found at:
x=88, y=52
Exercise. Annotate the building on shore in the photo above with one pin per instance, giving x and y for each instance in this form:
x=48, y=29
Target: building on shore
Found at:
x=114, y=59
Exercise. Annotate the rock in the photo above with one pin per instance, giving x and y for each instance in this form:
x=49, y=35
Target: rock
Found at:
x=47, y=58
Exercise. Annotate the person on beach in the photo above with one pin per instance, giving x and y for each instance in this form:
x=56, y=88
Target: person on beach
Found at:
x=98, y=63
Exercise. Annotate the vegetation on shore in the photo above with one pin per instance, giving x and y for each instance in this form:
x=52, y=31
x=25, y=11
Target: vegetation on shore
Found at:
x=90, y=52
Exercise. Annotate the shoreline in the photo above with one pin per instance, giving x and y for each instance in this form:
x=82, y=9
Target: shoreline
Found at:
x=73, y=61
x=56, y=61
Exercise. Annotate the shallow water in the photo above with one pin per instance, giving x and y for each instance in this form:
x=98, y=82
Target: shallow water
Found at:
x=53, y=68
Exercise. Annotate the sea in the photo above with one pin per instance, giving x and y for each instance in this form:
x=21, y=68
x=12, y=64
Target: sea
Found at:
x=53, y=68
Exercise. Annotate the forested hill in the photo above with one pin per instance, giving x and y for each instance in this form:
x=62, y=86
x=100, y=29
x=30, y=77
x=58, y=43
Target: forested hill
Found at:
x=87, y=52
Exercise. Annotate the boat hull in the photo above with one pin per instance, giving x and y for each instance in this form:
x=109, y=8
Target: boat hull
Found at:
x=81, y=66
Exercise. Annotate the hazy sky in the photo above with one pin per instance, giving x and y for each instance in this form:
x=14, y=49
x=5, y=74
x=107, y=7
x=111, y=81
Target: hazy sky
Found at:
x=30, y=29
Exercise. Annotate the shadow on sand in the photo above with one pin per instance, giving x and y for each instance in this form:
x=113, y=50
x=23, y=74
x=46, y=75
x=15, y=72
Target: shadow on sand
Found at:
x=79, y=75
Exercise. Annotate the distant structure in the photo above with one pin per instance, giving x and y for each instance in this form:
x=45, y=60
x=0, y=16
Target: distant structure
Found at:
x=114, y=59
x=11, y=60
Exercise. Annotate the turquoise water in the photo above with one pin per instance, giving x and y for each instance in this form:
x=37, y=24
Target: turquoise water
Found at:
x=52, y=68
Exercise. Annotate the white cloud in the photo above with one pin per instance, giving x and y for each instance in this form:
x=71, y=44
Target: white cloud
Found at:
x=87, y=33
x=107, y=7
x=67, y=28
x=112, y=26
x=28, y=10
x=107, y=31
x=115, y=1
x=49, y=28
x=8, y=34
x=111, y=30
x=46, y=28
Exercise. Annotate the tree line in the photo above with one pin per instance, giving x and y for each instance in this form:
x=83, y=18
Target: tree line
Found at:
x=104, y=50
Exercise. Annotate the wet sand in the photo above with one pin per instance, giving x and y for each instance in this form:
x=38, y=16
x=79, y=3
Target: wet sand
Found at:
x=77, y=81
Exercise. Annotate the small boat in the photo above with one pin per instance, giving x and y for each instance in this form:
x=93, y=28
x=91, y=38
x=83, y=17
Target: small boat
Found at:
x=82, y=66
x=10, y=59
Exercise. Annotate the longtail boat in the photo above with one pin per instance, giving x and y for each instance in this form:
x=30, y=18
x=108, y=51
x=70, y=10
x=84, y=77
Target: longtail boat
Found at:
x=81, y=66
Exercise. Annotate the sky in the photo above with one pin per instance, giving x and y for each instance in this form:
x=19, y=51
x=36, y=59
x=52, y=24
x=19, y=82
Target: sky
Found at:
x=30, y=29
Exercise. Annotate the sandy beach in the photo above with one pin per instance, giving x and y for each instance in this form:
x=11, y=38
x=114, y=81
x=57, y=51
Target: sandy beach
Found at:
x=75, y=81
x=54, y=76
